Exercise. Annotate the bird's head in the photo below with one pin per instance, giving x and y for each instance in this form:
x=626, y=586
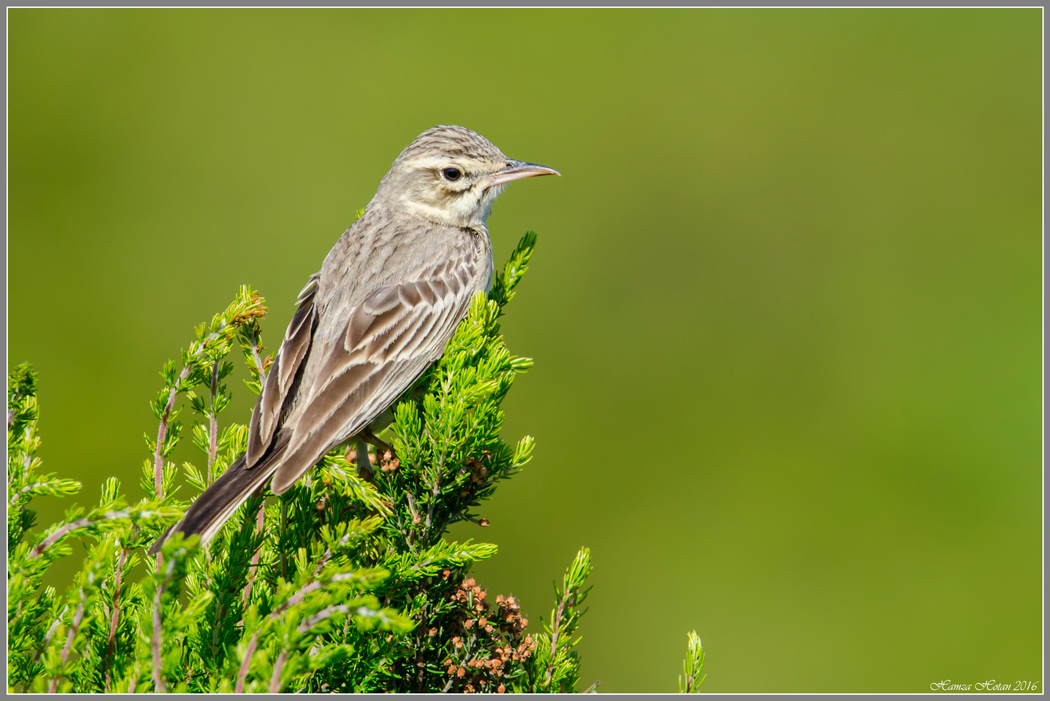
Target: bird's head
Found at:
x=451, y=175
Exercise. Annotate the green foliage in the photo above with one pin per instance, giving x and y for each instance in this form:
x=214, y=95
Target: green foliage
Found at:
x=55, y=641
x=556, y=659
x=338, y=585
x=693, y=667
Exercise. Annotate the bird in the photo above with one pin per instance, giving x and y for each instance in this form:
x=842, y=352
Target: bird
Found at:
x=389, y=296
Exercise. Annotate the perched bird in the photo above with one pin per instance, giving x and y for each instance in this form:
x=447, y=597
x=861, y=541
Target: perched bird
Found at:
x=389, y=296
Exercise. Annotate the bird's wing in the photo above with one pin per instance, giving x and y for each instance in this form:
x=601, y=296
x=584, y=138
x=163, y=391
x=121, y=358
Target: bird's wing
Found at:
x=387, y=341
x=282, y=374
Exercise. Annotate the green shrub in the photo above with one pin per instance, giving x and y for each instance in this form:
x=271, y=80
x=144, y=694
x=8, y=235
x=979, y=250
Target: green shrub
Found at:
x=338, y=585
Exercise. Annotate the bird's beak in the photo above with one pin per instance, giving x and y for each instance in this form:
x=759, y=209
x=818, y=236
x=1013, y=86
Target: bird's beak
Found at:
x=516, y=170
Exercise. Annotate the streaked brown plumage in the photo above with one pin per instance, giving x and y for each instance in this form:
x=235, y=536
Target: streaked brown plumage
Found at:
x=389, y=296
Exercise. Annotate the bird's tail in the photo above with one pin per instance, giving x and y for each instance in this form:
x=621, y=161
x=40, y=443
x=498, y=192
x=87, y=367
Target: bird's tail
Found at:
x=216, y=505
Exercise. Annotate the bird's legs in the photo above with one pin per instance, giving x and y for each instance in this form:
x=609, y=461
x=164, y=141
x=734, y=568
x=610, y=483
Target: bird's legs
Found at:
x=383, y=450
x=364, y=465
x=371, y=438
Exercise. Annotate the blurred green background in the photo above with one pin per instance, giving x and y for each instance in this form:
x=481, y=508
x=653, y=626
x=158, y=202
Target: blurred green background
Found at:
x=785, y=306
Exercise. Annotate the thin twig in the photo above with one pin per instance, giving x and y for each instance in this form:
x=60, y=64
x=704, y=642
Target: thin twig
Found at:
x=259, y=520
x=25, y=489
x=50, y=633
x=162, y=432
x=284, y=527
x=111, y=644
x=78, y=617
x=328, y=554
x=82, y=523
x=322, y=615
x=433, y=499
x=556, y=632
x=323, y=561
x=27, y=462
x=275, y=678
x=213, y=421
x=424, y=614
x=410, y=538
x=157, y=641
x=412, y=507
x=439, y=472
x=256, y=345
x=243, y=671
x=292, y=600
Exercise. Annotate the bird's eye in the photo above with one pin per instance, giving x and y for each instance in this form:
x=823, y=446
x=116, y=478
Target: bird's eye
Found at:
x=452, y=174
